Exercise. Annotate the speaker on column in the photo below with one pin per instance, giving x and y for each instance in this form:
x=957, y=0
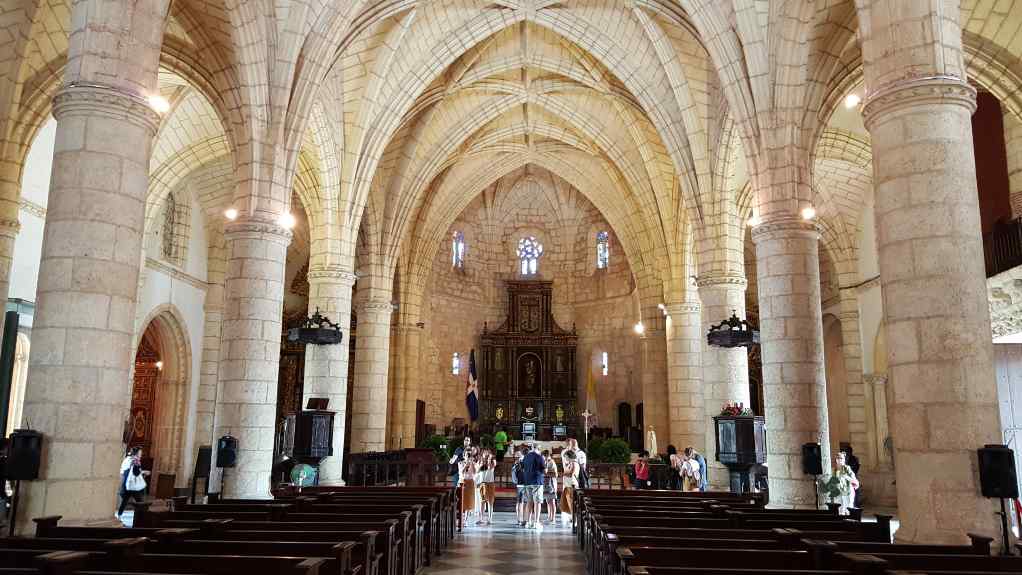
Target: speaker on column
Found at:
x=812, y=459
x=24, y=454
x=997, y=475
x=226, y=451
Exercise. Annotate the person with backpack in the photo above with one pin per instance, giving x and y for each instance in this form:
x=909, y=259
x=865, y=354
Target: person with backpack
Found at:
x=580, y=459
x=704, y=481
x=133, y=482
x=518, y=476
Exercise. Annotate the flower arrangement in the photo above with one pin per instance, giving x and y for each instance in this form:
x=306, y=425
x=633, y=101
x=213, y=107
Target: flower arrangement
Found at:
x=835, y=486
x=733, y=409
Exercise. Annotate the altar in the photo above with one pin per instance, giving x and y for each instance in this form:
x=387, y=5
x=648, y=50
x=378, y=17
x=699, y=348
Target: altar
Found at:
x=528, y=378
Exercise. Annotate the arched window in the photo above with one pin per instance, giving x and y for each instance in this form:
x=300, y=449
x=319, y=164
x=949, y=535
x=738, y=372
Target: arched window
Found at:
x=602, y=250
x=458, y=250
x=456, y=364
x=529, y=251
x=606, y=364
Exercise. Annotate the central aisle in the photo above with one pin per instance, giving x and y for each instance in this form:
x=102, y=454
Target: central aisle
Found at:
x=506, y=549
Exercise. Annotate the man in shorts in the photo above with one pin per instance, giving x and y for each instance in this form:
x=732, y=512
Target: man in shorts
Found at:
x=534, y=467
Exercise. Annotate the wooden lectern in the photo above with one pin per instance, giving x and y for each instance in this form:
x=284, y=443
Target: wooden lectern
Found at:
x=741, y=444
x=307, y=437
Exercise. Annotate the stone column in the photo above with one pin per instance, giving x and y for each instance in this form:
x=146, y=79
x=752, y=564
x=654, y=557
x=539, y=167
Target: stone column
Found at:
x=654, y=387
x=79, y=380
x=326, y=366
x=725, y=370
x=406, y=366
x=791, y=332
x=851, y=349
x=1013, y=150
x=372, y=359
x=684, y=378
x=940, y=355
x=10, y=193
x=250, y=354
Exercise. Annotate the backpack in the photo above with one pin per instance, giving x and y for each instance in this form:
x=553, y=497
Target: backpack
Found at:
x=518, y=473
x=583, y=477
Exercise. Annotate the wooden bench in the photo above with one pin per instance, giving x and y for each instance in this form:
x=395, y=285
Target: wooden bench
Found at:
x=400, y=543
x=62, y=561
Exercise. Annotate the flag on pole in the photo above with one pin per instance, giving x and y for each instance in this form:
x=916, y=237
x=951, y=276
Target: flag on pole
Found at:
x=471, y=392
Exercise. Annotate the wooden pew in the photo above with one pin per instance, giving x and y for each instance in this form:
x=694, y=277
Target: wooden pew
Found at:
x=930, y=563
x=363, y=547
x=340, y=552
x=76, y=561
x=422, y=533
x=403, y=543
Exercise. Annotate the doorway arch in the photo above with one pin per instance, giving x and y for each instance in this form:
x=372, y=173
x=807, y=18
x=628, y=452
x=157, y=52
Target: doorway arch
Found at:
x=157, y=420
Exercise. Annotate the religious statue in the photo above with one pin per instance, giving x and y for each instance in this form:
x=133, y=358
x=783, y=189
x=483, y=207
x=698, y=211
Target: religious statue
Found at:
x=652, y=442
x=559, y=413
x=529, y=386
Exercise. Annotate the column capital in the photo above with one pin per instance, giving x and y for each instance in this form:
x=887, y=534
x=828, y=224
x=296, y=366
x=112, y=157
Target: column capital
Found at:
x=406, y=328
x=257, y=229
x=107, y=101
x=874, y=378
x=788, y=227
x=722, y=280
x=376, y=306
x=681, y=308
x=926, y=90
x=331, y=274
x=9, y=228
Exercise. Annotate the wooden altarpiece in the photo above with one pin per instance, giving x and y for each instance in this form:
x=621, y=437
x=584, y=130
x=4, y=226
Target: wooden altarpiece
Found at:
x=528, y=370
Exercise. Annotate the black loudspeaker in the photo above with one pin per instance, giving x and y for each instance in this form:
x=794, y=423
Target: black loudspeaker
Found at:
x=812, y=459
x=24, y=454
x=997, y=472
x=226, y=451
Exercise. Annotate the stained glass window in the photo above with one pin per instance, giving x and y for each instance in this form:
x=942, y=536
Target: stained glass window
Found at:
x=458, y=250
x=602, y=250
x=606, y=365
x=456, y=364
x=529, y=251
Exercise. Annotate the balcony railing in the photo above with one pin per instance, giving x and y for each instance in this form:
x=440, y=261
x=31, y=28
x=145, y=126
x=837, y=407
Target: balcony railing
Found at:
x=1002, y=247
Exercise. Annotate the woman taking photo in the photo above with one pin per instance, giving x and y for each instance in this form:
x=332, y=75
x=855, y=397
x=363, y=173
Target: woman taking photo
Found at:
x=132, y=479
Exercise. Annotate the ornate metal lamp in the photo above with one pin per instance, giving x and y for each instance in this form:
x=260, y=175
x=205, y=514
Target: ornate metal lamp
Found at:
x=318, y=330
x=732, y=332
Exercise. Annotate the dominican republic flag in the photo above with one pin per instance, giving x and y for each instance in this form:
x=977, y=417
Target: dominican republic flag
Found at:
x=471, y=393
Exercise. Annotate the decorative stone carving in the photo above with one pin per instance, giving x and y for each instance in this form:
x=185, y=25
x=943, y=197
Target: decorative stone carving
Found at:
x=1004, y=294
x=722, y=279
x=105, y=101
x=786, y=227
x=918, y=91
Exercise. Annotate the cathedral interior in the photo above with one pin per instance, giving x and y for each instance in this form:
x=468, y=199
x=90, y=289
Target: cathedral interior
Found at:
x=560, y=195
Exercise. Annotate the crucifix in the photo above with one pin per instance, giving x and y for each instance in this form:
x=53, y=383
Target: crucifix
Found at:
x=586, y=415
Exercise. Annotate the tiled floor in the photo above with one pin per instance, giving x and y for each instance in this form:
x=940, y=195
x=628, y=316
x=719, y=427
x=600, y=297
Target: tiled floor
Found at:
x=506, y=549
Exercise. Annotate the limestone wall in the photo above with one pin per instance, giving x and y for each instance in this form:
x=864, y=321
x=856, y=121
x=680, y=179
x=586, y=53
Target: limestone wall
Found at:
x=603, y=302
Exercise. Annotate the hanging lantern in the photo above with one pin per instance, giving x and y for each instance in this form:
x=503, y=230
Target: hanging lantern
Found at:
x=732, y=332
x=318, y=330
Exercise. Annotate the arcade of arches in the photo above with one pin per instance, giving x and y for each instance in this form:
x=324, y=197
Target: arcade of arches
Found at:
x=181, y=181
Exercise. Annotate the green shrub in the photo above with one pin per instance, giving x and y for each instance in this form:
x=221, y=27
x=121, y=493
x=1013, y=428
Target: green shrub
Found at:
x=615, y=451
x=436, y=443
x=486, y=441
x=594, y=448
